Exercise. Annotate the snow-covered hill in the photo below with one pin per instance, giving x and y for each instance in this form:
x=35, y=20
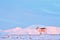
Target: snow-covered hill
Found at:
x=32, y=30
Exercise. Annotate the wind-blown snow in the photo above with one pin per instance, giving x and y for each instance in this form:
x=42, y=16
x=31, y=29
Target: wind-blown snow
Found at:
x=52, y=30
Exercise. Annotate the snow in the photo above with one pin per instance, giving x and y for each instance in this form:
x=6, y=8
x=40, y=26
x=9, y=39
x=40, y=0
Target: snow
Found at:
x=30, y=33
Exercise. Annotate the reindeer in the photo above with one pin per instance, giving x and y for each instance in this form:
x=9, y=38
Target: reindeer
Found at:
x=41, y=30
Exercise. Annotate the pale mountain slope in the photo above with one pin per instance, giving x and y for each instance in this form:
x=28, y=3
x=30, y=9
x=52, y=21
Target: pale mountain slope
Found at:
x=32, y=30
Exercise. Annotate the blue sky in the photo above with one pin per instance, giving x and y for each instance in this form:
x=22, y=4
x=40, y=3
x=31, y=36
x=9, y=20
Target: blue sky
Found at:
x=24, y=13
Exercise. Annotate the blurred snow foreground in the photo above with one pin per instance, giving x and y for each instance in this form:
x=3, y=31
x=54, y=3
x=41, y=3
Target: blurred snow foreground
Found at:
x=33, y=30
